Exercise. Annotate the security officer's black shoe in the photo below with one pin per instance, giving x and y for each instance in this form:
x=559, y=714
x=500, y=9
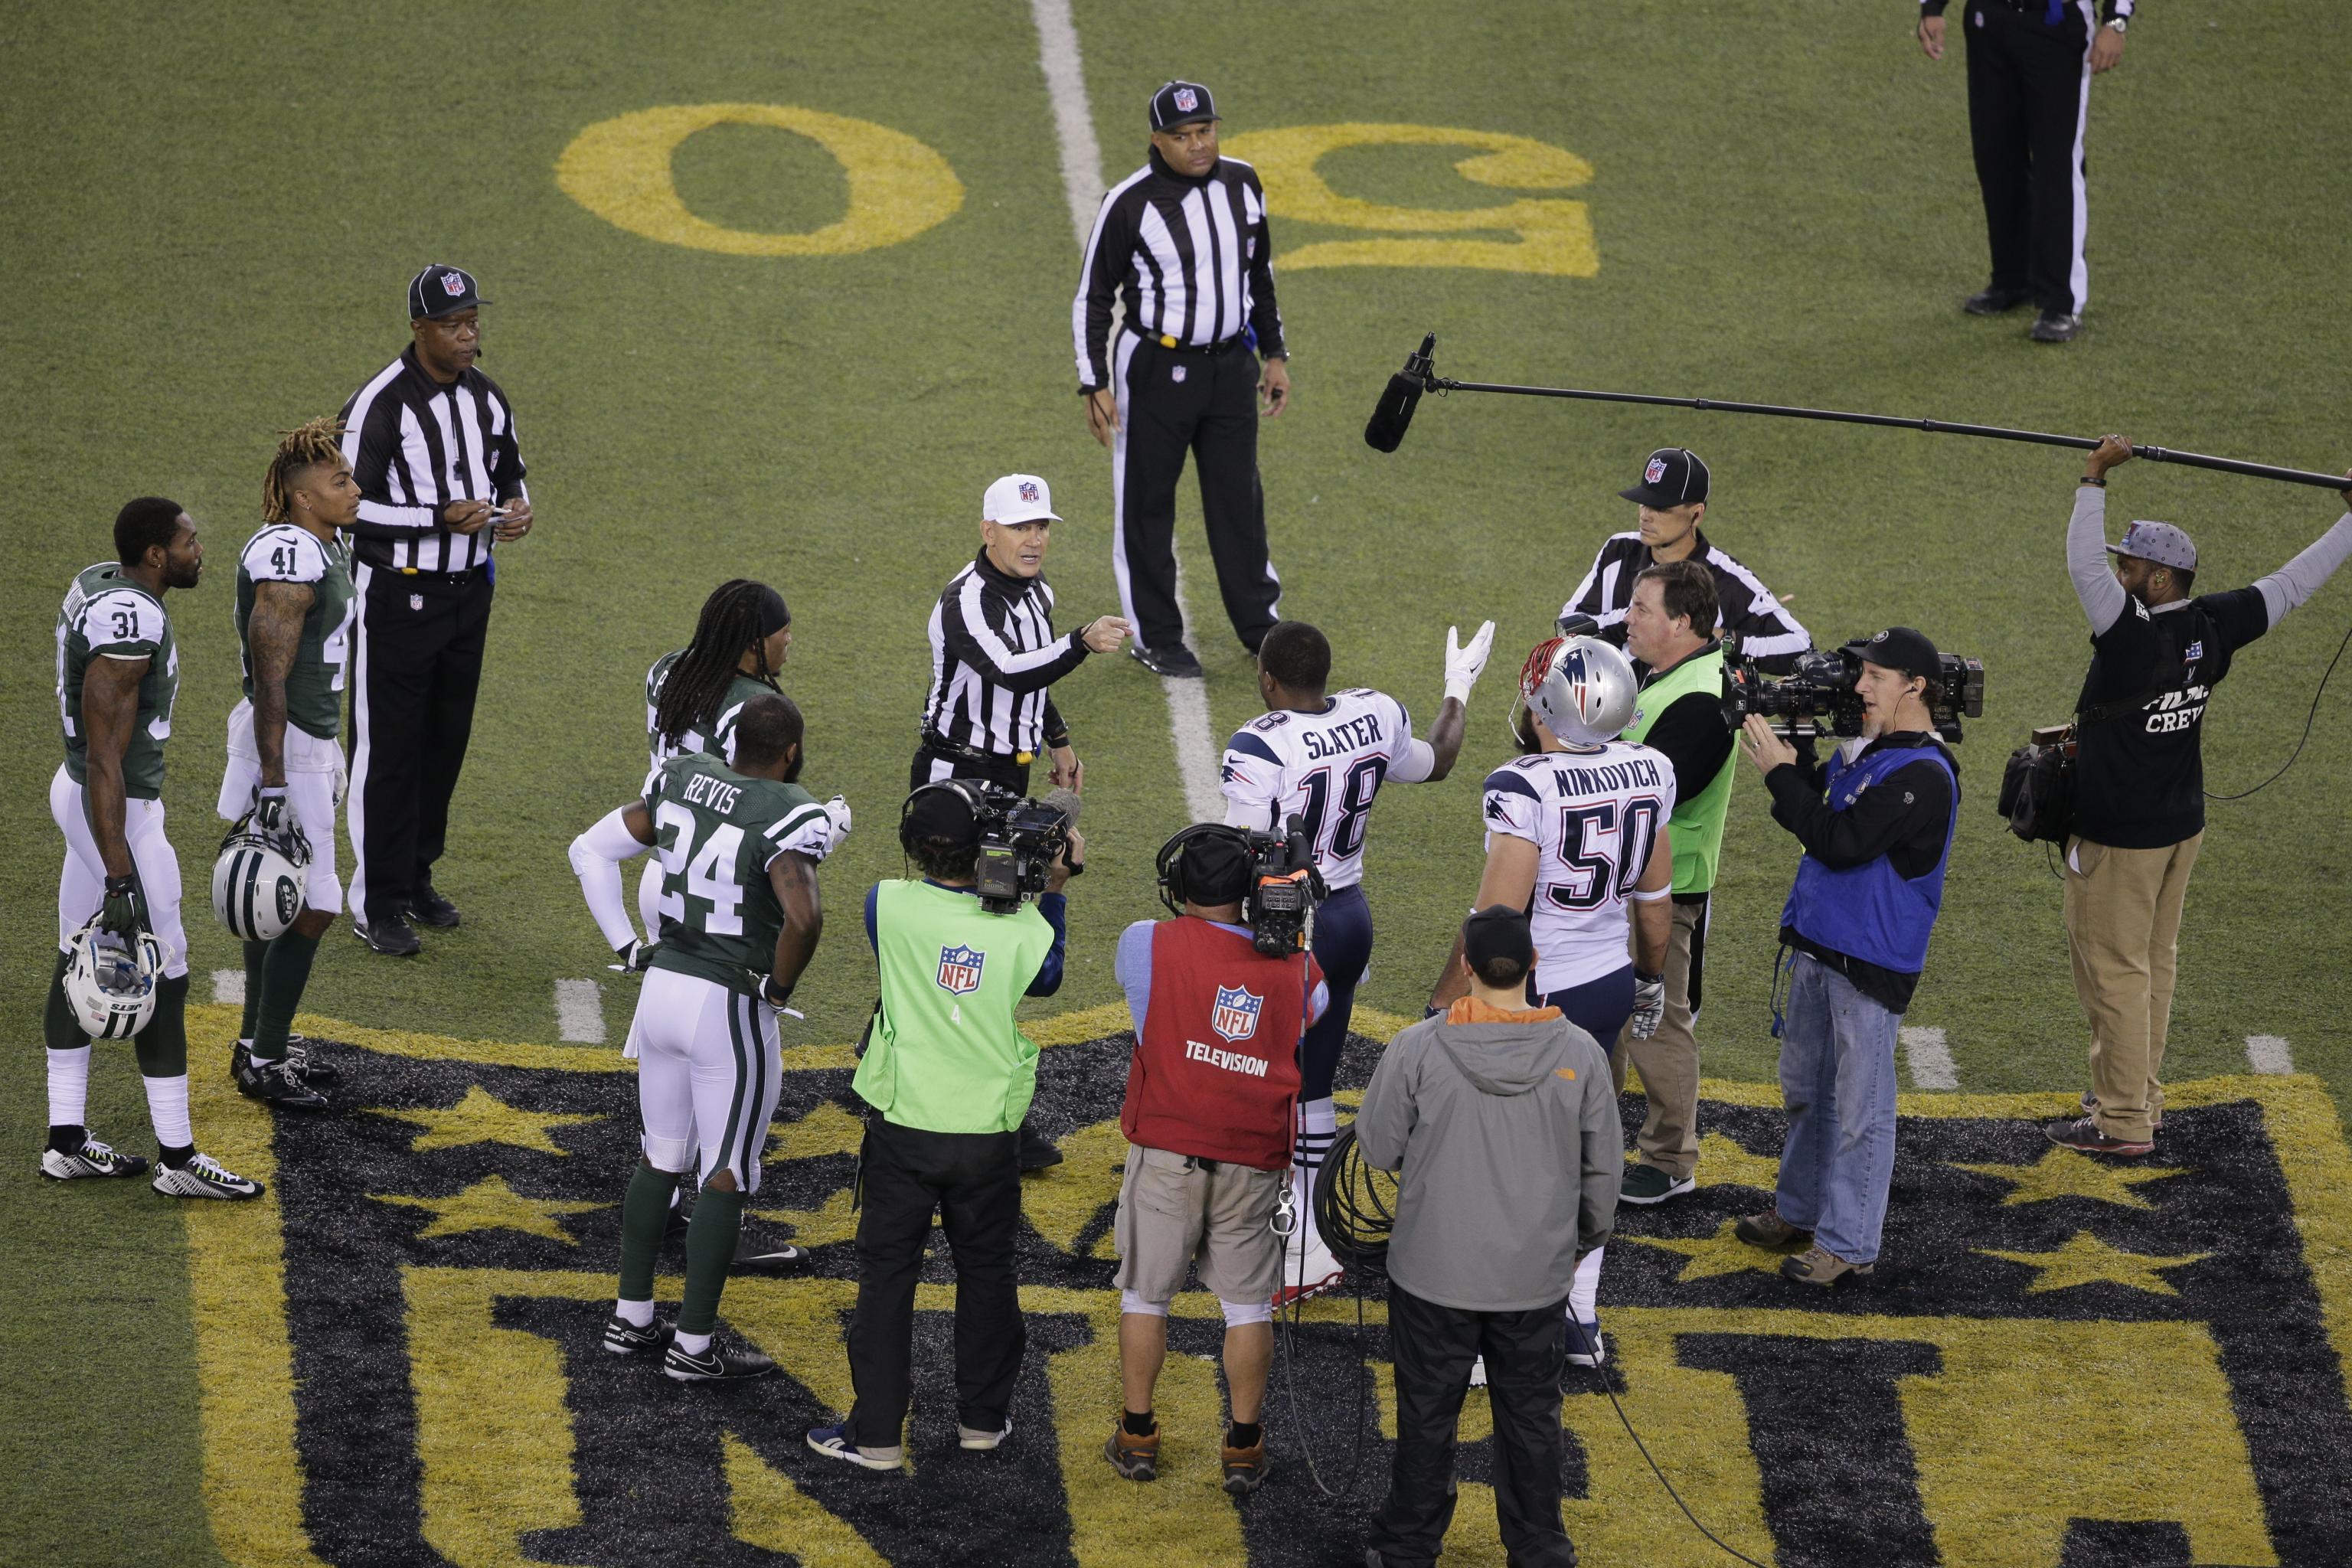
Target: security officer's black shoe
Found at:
x=2057, y=327
x=1175, y=659
x=1037, y=1151
x=1994, y=302
x=391, y=936
x=431, y=908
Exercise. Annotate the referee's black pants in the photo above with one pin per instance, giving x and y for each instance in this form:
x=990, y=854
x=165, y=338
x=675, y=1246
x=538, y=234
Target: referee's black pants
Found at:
x=1203, y=402
x=2028, y=102
x=974, y=1180
x=416, y=666
x=1432, y=1348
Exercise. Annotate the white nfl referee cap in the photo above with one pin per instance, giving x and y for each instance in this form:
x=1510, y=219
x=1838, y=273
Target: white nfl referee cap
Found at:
x=1018, y=498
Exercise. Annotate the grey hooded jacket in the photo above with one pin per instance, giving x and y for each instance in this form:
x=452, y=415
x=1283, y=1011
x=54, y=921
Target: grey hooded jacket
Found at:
x=1507, y=1139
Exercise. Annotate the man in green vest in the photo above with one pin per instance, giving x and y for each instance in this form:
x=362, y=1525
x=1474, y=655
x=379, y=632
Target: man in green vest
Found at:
x=948, y=1076
x=1670, y=627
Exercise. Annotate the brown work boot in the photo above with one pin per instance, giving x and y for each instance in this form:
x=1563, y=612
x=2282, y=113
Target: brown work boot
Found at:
x=2091, y=1108
x=1245, y=1468
x=1770, y=1232
x=1137, y=1458
x=1817, y=1266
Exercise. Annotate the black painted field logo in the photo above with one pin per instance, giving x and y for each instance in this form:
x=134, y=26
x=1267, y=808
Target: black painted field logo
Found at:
x=2064, y=1362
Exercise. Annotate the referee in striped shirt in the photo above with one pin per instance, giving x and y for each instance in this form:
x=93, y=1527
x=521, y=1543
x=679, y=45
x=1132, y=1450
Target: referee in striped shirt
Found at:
x=430, y=441
x=1182, y=244
x=995, y=656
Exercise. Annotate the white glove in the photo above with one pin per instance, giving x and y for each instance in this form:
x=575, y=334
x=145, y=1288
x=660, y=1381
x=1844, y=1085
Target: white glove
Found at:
x=836, y=811
x=1649, y=1004
x=1463, y=665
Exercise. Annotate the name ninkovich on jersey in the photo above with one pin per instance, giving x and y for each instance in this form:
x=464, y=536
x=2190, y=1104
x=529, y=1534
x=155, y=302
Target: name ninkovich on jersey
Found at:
x=1327, y=768
x=1594, y=816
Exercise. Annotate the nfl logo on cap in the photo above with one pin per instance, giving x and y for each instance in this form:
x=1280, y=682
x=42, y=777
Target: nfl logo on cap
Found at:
x=1236, y=1017
x=1187, y=100
x=1028, y=490
x=1654, y=472
x=453, y=284
x=959, y=969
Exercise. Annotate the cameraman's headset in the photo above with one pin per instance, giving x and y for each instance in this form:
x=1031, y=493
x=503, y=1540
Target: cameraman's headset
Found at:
x=1174, y=891
x=972, y=792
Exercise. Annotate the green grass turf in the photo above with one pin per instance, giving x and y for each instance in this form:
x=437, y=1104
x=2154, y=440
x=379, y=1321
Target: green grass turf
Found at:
x=214, y=212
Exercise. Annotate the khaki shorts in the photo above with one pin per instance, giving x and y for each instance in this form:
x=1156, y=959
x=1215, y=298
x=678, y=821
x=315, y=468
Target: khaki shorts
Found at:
x=1174, y=1217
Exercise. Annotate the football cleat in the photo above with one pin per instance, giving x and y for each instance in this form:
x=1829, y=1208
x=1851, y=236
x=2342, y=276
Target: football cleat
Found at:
x=765, y=1257
x=202, y=1177
x=623, y=1337
x=92, y=1159
x=1585, y=1345
x=277, y=1083
x=310, y=1069
x=719, y=1363
x=1308, y=1269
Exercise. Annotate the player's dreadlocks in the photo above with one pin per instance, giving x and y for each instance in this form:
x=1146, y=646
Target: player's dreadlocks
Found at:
x=734, y=618
x=306, y=446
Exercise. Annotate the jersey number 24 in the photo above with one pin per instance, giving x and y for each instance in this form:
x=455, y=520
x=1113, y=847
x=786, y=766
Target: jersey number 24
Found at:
x=705, y=876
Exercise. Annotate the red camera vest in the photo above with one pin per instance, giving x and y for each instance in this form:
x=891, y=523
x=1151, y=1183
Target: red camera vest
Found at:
x=1215, y=1072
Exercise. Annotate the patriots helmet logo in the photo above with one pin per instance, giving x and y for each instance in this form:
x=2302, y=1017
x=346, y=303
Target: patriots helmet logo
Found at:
x=1236, y=1017
x=1028, y=490
x=1654, y=472
x=1187, y=100
x=453, y=284
x=959, y=969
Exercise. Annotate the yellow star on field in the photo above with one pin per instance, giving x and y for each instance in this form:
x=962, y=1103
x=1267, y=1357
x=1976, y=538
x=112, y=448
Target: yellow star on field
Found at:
x=482, y=1118
x=836, y=1220
x=2062, y=1174
x=1722, y=1253
x=490, y=1204
x=2085, y=1260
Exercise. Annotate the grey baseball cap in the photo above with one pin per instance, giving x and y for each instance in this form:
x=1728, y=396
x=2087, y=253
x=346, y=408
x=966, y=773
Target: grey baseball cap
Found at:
x=2157, y=541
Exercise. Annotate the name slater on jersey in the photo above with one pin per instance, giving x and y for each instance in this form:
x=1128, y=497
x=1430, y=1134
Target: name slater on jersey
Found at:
x=1342, y=739
x=1606, y=779
x=704, y=790
x=1231, y=1061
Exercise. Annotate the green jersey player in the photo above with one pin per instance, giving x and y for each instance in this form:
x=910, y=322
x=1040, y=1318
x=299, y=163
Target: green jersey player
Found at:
x=293, y=621
x=738, y=848
x=118, y=676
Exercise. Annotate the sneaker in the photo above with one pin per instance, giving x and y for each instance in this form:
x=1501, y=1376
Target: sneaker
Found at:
x=834, y=1443
x=1175, y=661
x=1586, y=1347
x=719, y=1363
x=279, y=1084
x=2083, y=1135
x=763, y=1257
x=1308, y=1269
x=1037, y=1151
x=1137, y=1458
x=2091, y=1105
x=1989, y=301
x=92, y=1159
x=980, y=1441
x=1478, y=1371
x=2057, y=327
x=1819, y=1266
x=202, y=1177
x=1245, y=1468
x=1649, y=1184
x=431, y=908
x=1770, y=1232
x=623, y=1337
x=391, y=936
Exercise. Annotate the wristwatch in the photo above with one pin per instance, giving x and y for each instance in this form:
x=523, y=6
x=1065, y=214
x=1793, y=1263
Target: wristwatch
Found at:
x=2117, y=24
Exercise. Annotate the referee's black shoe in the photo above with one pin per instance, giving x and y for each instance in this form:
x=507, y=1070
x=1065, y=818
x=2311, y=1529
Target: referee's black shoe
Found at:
x=2057, y=327
x=1175, y=661
x=392, y=936
x=431, y=908
x=1990, y=302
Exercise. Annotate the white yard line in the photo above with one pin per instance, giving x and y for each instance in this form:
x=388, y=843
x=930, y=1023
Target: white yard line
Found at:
x=229, y=985
x=1930, y=1059
x=2268, y=1053
x=1082, y=183
x=580, y=1012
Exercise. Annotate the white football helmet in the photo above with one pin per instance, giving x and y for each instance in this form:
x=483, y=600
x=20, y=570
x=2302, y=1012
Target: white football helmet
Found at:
x=1582, y=688
x=257, y=884
x=111, y=983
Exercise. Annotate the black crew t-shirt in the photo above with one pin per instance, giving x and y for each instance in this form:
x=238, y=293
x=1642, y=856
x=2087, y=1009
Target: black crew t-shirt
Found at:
x=2140, y=774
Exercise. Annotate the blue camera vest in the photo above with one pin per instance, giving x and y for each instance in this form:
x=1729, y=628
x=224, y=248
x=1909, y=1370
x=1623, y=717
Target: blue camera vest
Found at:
x=1872, y=912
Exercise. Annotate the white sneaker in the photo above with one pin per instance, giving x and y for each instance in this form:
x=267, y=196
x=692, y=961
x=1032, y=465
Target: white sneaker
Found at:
x=980, y=1441
x=1308, y=1269
x=202, y=1177
x=92, y=1159
x=1478, y=1373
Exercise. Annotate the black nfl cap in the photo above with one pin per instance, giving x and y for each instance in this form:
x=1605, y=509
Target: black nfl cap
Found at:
x=1498, y=932
x=441, y=290
x=1673, y=476
x=1180, y=103
x=1896, y=648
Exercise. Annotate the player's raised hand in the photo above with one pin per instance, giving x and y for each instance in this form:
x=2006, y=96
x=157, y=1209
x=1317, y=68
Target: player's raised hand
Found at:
x=1105, y=634
x=1464, y=664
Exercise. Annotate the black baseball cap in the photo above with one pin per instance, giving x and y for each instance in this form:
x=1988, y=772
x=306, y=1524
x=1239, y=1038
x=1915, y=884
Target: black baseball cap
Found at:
x=1896, y=648
x=1673, y=476
x=1216, y=867
x=440, y=291
x=1495, y=935
x=1180, y=103
x=942, y=812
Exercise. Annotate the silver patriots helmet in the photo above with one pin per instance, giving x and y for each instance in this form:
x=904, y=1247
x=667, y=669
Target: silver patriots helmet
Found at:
x=1582, y=688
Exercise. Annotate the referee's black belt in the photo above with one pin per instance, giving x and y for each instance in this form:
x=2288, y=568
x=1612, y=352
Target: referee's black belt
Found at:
x=941, y=746
x=1169, y=341
x=410, y=574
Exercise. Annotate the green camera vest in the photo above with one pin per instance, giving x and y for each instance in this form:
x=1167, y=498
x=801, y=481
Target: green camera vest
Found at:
x=1696, y=824
x=944, y=1054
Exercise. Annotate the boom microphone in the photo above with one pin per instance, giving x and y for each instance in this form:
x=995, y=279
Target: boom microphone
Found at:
x=1386, y=427
x=1063, y=801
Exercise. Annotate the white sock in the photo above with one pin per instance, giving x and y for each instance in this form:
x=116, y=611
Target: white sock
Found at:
x=636, y=1314
x=1584, y=1292
x=692, y=1344
x=68, y=1087
x=1318, y=1120
x=167, y=1108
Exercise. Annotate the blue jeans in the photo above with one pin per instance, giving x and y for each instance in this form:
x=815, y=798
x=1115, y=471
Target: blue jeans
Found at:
x=1837, y=1082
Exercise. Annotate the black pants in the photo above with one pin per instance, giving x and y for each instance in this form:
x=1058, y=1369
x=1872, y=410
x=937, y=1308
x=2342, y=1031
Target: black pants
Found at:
x=930, y=765
x=2029, y=100
x=974, y=1183
x=416, y=665
x=1432, y=1347
x=1174, y=402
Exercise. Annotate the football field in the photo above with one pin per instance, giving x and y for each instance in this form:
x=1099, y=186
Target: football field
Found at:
x=776, y=292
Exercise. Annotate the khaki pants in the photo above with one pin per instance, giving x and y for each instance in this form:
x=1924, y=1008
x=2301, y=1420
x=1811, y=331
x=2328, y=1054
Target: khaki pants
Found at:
x=2123, y=929
x=1668, y=1061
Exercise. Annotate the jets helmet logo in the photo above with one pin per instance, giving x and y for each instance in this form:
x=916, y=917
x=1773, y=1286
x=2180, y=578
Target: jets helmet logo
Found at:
x=1654, y=472
x=1236, y=1017
x=959, y=969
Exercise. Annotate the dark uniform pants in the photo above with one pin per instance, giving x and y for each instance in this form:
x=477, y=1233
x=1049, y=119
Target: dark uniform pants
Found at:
x=1343, y=950
x=416, y=665
x=1432, y=1347
x=2028, y=98
x=1203, y=402
x=973, y=1180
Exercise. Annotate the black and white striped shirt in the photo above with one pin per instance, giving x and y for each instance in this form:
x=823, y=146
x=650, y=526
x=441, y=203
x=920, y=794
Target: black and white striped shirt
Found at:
x=415, y=446
x=1188, y=259
x=1767, y=633
x=993, y=657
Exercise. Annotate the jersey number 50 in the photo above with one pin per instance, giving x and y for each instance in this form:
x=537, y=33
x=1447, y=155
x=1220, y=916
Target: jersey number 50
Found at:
x=1604, y=860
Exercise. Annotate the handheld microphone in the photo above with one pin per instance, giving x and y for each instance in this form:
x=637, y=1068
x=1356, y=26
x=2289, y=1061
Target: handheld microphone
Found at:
x=1386, y=427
